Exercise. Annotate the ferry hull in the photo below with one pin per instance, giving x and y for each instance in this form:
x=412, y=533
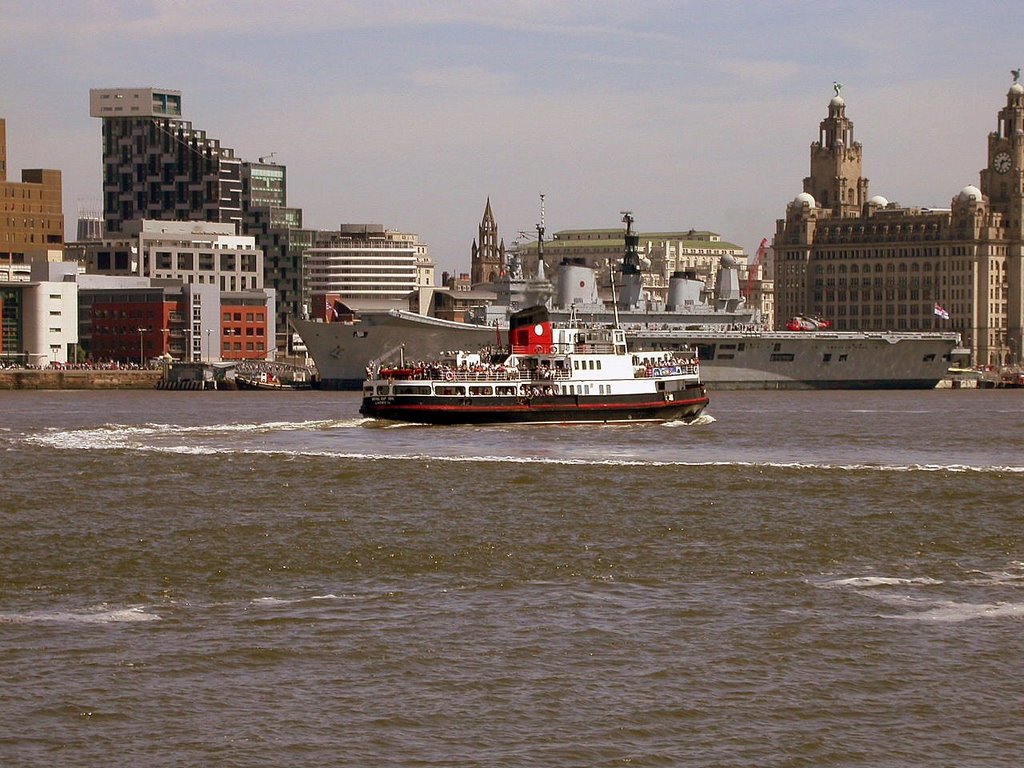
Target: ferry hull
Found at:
x=730, y=359
x=551, y=410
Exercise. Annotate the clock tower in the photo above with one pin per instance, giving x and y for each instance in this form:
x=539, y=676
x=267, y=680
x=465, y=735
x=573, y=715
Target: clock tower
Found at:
x=1003, y=183
x=1001, y=180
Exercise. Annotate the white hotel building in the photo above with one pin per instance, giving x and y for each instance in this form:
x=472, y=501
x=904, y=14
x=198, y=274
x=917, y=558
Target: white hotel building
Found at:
x=365, y=262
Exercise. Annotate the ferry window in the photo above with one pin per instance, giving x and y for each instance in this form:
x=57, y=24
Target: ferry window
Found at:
x=481, y=390
x=505, y=390
x=409, y=389
x=576, y=364
x=449, y=390
x=599, y=365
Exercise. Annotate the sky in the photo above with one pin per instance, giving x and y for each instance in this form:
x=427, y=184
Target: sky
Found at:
x=411, y=114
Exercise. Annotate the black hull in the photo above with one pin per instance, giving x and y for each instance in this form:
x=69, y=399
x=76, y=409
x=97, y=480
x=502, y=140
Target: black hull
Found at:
x=559, y=409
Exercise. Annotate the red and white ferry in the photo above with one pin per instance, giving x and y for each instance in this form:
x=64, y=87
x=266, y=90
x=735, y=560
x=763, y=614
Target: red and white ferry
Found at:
x=548, y=373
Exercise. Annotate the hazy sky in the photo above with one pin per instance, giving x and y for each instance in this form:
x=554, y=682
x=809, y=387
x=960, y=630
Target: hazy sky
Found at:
x=410, y=114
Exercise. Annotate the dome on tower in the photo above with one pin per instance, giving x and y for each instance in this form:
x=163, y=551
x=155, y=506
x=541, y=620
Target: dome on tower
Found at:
x=878, y=200
x=1016, y=89
x=968, y=193
x=837, y=101
x=804, y=197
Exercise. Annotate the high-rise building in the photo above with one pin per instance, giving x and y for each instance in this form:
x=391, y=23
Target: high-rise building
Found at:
x=31, y=214
x=870, y=264
x=157, y=166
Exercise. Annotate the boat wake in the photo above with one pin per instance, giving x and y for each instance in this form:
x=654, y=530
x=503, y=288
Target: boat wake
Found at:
x=122, y=436
x=100, y=614
x=916, y=598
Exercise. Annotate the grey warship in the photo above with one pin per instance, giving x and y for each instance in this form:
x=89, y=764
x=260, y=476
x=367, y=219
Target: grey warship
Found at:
x=735, y=351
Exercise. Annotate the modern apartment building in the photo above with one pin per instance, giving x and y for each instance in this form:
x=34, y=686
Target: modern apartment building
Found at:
x=31, y=215
x=135, y=319
x=866, y=263
x=156, y=165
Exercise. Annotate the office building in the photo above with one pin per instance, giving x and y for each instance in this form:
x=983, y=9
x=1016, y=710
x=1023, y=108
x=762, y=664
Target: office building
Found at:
x=366, y=262
x=870, y=264
x=197, y=252
x=31, y=215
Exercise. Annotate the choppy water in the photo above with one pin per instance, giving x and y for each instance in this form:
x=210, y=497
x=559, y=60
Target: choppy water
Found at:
x=263, y=579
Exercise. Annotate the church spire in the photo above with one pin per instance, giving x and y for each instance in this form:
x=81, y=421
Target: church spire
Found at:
x=488, y=256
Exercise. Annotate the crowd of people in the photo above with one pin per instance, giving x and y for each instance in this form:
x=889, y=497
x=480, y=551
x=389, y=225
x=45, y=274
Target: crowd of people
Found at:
x=91, y=365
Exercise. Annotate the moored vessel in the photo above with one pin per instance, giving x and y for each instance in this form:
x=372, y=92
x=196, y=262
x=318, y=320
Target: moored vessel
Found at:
x=736, y=352
x=571, y=372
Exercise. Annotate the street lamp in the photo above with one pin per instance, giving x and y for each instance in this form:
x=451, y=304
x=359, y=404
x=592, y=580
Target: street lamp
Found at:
x=209, y=350
x=141, y=331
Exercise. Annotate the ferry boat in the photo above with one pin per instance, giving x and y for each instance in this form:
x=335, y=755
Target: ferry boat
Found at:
x=571, y=372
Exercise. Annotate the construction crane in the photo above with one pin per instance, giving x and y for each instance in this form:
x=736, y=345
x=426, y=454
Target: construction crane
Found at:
x=752, y=270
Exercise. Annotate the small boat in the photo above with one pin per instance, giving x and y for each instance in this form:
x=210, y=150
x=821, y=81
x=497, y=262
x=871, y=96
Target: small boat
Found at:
x=269, y=380
x=572, y=372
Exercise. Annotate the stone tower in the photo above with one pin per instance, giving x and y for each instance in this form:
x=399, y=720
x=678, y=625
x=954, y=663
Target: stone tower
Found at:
x=488, y=258
x=1003, y=183
x=835, y=181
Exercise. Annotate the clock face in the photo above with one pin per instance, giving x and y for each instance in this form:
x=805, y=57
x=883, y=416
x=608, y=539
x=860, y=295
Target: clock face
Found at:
x=1001, y=162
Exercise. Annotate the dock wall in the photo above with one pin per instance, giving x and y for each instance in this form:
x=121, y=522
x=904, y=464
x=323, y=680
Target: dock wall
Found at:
x=28, y=379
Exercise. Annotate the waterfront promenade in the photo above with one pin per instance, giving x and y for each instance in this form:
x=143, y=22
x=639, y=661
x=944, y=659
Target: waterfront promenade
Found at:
x=84, y=378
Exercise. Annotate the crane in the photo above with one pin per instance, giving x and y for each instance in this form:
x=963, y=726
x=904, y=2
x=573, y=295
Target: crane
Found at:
x=752, y=270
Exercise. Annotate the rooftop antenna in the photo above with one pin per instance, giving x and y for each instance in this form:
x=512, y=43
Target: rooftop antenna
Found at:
x=540, y=241
x=268, y=158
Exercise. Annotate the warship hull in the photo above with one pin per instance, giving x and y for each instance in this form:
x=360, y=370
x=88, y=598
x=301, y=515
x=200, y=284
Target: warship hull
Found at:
x=730, y=358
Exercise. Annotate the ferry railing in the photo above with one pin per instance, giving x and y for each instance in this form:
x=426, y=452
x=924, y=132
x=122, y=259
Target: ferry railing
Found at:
x=674, y=368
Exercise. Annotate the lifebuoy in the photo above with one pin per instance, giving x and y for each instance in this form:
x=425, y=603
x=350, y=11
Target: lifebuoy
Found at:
x=538, y=349
x=449, y=376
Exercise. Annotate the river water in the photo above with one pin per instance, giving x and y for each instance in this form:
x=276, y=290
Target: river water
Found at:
x=265, y=579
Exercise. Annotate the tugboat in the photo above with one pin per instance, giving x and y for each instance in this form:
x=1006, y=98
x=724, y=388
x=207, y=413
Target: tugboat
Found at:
x=572, y=372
